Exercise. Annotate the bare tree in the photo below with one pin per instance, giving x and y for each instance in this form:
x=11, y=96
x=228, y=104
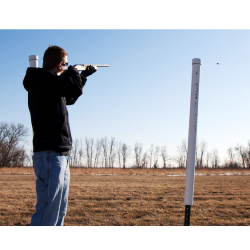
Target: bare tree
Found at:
x=4, y=132
x=11, y=152
x=111, y=152
x=156, y=155
x=97, y=152
x=151, y=150
x=87, y=150
x=182, y=154
x=104, y=143
x=112, y=159
x=231, y=156
x=80, y=154
x=145, y=160
x=248, y=155
x=200, y=152
x=242, y=154
x=89, y=147
x=74, y=153
x=119, y=153
x=208, y=156
x=20, y=158
x=164, y=156
x=138, y=154
x=215, y=159
x=125, y=153
x=241, y=158
x=91, y=151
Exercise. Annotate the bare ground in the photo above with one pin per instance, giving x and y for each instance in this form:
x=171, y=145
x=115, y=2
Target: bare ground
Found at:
x=106, y=197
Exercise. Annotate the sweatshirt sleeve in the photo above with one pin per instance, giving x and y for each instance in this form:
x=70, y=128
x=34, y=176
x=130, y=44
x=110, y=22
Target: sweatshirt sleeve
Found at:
x=72, y=100
x=69, y=86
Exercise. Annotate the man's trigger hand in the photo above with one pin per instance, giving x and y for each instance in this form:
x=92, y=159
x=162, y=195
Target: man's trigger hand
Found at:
x=89, y=71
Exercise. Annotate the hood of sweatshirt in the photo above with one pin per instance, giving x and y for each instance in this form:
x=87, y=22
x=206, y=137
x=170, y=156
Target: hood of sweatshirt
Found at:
x=30, y=73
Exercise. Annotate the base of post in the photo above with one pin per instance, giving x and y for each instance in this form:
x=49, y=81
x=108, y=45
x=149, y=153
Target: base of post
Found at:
x=187, y=215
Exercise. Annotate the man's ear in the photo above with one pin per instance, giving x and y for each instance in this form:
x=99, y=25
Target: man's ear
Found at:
x=59, y=66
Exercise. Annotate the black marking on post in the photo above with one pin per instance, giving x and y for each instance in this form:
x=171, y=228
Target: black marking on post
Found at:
x=187, y=215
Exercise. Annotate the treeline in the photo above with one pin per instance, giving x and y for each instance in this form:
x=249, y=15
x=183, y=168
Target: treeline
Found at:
x=110, y=153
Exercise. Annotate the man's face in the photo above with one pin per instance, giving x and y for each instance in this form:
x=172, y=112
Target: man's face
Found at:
x=64, y=63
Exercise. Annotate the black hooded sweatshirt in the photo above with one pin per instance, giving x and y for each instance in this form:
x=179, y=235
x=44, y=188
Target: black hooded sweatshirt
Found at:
x=48, y=95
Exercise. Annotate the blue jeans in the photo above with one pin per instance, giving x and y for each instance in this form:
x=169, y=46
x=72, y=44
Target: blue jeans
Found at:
x=52, y=188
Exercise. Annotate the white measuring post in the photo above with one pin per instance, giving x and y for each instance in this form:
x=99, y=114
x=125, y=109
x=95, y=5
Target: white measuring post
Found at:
x=33, y=61
x=190, y=165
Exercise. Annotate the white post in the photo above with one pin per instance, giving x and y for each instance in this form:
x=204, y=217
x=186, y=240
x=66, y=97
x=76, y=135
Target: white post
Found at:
x=190, y=166
x=33, y=64
x=33, y=61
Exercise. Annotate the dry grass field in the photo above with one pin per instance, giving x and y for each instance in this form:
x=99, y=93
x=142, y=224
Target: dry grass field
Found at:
x=132, y=197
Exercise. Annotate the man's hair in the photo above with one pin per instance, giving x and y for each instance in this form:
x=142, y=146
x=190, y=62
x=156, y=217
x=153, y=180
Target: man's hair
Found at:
x=53, y=56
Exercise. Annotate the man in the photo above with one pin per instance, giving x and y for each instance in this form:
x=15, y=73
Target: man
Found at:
x=50, y=89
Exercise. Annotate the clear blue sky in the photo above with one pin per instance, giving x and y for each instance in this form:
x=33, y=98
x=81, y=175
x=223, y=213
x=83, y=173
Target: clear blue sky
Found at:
x=144, y=95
